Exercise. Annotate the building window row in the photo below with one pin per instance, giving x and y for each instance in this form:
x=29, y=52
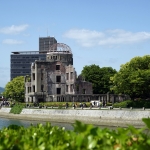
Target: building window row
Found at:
x=71, y=88
x=71, y=76
x=59, y=58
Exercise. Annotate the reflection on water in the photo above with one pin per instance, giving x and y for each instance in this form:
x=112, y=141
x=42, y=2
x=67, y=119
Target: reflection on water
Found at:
x=6, y=122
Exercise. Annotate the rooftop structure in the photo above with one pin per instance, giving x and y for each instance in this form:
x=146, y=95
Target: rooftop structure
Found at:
x=46, y=42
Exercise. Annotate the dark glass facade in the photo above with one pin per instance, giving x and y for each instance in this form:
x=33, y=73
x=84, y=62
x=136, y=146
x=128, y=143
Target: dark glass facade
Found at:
x=46, y=42
x=21, y=62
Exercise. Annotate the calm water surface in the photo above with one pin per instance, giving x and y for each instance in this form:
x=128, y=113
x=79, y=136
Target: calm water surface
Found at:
x=68, y=126
x=6, y=122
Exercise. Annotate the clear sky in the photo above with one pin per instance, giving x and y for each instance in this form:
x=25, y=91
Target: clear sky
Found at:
x=107, y=33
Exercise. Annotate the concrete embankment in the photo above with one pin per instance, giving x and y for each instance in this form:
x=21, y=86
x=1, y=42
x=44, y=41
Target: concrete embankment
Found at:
x=112, y=117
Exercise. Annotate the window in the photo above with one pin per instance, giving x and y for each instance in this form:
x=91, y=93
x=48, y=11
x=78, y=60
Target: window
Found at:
x=55, y=57
x=33, y=88
x=33, y=75
x=28, y=90
x=71, y=75
x=58, y=79
x=71, y=88
x=42, y=88
x=83, y=91
x=67, y=88
x=58, y=91
x=67, y=76
x=57, y=67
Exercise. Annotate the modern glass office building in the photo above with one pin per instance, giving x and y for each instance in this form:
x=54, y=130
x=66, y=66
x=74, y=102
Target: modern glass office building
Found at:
x=20, y=62
x=46, y=42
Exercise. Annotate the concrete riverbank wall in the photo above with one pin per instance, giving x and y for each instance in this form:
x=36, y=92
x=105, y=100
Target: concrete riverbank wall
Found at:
x=97, y=117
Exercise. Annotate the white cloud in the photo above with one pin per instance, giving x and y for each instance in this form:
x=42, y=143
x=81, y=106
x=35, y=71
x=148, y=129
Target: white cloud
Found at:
x=88, y=38
x=14, y=29
x=11, y=41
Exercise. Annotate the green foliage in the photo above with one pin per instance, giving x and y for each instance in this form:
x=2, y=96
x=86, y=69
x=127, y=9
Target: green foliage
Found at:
x=99, y=77
x=135, y=104
x=83, y=137
x=133, y=78
x=15, y=89
x=123, y=104
x=147, y=122
x=109, y=104
x=17, y=108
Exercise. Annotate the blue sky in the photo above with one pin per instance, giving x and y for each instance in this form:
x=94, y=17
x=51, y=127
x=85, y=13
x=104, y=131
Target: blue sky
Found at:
x=107, y=33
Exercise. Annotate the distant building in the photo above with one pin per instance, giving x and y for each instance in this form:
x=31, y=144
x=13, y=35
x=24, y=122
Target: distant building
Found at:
x=20, y=62
x=55, y=78
x=45, y=43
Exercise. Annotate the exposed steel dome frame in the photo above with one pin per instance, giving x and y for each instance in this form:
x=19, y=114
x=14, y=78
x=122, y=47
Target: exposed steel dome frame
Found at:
x=58, y=47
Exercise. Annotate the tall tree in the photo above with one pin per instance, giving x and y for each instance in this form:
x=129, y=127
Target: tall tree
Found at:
x=99, y=77
x=15, y=89
x=105, y=74
x=133, y=78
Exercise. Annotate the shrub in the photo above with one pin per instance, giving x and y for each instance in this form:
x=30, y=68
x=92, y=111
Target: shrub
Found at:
x=146, y=104
x=135, y=104
x=109, y=104
x=124, y=104
x=83, y=137
x=17, y=108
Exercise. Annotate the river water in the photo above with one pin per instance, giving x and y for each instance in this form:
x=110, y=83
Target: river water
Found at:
x=6, y=122
x=68, y=126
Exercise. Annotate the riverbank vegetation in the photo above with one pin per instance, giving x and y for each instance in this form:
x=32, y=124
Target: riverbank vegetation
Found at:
x=17, y=108
x=138, y=103
x=83, y=137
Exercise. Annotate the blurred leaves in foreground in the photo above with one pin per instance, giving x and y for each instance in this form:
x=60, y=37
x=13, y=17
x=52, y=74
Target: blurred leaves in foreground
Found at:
x=83, y=137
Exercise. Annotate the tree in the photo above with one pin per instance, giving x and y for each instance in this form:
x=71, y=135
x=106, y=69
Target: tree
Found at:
x=104, y=83
x=133, y=78
x=99, y=77
x=15, y=89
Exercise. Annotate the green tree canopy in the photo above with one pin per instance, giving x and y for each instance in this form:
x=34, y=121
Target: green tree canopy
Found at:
x=99, y=77
x=15, y=89
x=133, y=78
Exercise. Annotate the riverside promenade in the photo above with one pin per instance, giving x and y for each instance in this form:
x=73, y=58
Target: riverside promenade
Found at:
x=102, y=117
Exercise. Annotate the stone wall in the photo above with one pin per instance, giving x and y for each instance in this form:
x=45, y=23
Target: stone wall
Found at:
x=98, y=117
x=103, y=114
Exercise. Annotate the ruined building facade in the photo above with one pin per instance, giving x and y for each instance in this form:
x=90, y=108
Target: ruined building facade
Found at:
x=55, y=78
